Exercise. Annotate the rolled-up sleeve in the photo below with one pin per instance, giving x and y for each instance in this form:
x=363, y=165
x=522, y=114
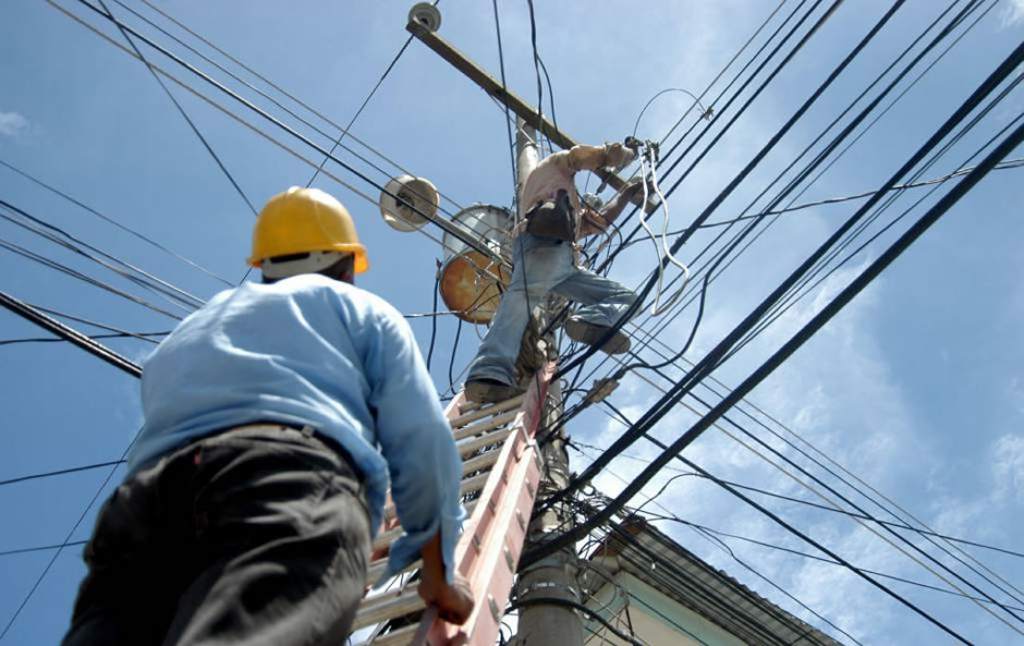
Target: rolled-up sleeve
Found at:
x=416, y=441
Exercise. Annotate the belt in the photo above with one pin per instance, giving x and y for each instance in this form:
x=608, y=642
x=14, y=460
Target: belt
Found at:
x=307, y=431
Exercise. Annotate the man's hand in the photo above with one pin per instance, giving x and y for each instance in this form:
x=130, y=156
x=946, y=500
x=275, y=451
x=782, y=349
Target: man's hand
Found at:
x=617, y=155
x=454, y=601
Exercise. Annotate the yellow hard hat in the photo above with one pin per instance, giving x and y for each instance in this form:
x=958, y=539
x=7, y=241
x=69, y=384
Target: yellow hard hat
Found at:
x=304, y=220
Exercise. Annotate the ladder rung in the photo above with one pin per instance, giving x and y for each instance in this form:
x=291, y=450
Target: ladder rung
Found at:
x=500, y=407
x=380, y=564
x=480, y=462
x=494, y=422
x=401, y=637
x=387, y=605
x=469, y=485
x=484, y=440
x=376, y=569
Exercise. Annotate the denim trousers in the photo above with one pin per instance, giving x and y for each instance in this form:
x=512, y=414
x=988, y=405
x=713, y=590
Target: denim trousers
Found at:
x=249, y=537
x=543, y=265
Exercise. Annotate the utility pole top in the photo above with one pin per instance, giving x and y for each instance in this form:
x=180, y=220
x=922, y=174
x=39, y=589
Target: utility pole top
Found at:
x=521, y=108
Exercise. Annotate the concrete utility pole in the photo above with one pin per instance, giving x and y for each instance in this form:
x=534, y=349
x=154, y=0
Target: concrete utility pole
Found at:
x=555, y=576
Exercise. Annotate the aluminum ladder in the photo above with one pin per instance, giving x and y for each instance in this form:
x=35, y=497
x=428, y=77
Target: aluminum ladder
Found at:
x=500, y=474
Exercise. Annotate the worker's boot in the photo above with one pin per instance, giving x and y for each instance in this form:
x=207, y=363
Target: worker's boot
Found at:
x=590, y=333
x=490, y=391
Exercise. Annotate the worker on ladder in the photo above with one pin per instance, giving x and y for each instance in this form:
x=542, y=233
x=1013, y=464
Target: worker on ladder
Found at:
x=275, y=417
x=544, y=259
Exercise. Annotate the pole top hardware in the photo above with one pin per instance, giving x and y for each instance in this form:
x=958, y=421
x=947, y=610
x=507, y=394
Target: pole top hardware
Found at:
x=426, y=14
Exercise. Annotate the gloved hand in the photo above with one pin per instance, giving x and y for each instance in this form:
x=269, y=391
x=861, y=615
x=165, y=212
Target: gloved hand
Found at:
x=617, y=155
x=454, y=601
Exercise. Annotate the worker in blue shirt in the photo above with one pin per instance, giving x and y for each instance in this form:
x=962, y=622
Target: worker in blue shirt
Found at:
x=275, y=417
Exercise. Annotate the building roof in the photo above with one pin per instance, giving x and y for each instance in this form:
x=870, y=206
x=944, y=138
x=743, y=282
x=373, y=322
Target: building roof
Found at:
x=654, y=558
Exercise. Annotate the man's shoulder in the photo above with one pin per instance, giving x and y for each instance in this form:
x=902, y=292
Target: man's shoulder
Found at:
x=356, y=297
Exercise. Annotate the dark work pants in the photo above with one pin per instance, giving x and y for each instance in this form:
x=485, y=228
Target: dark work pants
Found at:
x=253, y=536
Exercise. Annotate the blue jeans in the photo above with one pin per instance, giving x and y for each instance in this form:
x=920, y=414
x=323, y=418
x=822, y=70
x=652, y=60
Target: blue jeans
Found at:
x=543, y=265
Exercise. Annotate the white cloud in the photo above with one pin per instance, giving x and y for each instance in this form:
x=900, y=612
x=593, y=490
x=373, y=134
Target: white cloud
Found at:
x=12, y=123
x=1013, y=13
x=1008, y=467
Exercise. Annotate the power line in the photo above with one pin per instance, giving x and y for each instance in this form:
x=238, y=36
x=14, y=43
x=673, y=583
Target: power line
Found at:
x=754, y=541
x=369, y=96
x=180, y=109
x=60, y=472
x=46, y=262
x=958, y=20
x=114, y=222
x=31, y=314
x=711, y=360
x=142, y=336
x=894, y=251
x=446, y=226
x=48, y=231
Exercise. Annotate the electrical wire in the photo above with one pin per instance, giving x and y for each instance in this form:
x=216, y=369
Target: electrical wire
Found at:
x=445, y=225
x=142, y=336
x=870, y=125
x=60, y=472
x=433, y=319
x=52, y=264
x=1003, y=149
x=750, y=165
x=508, y=114
x=568, y=603
x=711, y=360
x=115, y=223
x=181, y=110
x=48, y=231
x=369, y=96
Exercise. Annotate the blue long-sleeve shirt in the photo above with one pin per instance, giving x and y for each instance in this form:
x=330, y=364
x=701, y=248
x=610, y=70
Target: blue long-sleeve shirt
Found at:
x=314, y=351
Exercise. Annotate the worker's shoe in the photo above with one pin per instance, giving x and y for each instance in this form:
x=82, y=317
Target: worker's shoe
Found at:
x=590, y=333
x=489, y=391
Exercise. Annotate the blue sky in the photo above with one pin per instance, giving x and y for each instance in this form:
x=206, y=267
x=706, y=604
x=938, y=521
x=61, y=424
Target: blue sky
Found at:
x=915, y=387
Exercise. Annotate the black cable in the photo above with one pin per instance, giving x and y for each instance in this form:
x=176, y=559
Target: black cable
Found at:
x=142, y=278
x=536, y=67
x=579, y=446
x=717, y=201
x=795, y=552
x=57, y=266
x=67, y=541
x=42, y=548
x=956, y=21
x=894, y=251
x=337, y=142
x=451, y=361
x=181, y=110
x=60, y=472
x=114, y=222
x=89, y=322
x=706, y=365
x=142, y=336
x=567, y=603
x=433, y=319
x=33, y=315
x=551, y=90
x=743, y=108
x=446, y=226
x=508, y=114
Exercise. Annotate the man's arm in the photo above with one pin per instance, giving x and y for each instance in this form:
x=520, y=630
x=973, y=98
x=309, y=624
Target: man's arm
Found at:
x=423, y=462
x=596, y=222
x=594, y=157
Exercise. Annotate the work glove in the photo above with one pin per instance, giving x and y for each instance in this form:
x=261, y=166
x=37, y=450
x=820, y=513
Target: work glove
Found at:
x=617, y=155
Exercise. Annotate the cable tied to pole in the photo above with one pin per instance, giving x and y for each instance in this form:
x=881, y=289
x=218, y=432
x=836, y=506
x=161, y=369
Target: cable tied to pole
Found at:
x=649, y=179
